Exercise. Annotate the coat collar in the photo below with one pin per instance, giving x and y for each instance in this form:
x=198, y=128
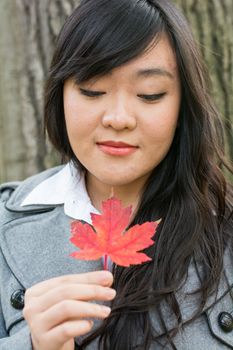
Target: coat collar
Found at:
x=36, y=246
x=21, y=190
x=58, y=186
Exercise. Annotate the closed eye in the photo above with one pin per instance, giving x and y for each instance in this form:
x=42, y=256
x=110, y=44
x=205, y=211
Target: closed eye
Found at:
x=91, y=93
x=153, y=97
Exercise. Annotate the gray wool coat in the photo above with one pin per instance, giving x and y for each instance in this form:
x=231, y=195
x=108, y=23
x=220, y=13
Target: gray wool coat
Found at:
x=34, y=246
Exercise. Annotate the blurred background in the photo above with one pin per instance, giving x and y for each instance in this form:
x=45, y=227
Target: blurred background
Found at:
x=28, y=29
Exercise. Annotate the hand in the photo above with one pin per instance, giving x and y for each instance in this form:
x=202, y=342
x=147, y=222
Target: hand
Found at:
x=57, y=310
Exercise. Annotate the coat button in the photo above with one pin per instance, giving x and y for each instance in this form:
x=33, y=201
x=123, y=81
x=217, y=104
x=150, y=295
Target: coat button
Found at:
x=225, y=321
x=17, y=299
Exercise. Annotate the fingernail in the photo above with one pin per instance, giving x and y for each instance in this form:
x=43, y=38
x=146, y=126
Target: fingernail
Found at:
x=105, y=277
x=110, y=293
x=106, y=310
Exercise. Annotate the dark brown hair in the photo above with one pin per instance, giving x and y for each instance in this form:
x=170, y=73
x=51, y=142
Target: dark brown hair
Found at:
x=187, y=189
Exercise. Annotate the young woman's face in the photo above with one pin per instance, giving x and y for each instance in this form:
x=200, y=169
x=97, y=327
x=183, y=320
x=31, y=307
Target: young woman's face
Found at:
x=121, y=126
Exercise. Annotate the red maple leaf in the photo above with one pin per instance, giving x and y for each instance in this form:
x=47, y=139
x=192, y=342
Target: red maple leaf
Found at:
x=107, y=236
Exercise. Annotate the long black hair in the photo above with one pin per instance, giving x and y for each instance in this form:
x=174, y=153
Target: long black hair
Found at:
x=187, y=189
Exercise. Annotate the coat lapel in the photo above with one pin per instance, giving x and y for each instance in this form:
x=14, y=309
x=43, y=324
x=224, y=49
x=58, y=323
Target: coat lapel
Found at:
x=36, y=246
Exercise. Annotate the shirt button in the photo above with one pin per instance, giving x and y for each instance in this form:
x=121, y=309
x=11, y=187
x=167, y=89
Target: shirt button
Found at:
x=225, y=321
x=17, y=299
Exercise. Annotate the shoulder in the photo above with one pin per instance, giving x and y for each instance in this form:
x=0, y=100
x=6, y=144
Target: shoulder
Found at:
x=13, y=193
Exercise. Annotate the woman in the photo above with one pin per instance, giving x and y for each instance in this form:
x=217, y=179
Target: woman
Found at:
x=127, y=106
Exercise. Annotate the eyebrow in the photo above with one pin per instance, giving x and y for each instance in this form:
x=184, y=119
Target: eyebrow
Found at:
x=145, y=73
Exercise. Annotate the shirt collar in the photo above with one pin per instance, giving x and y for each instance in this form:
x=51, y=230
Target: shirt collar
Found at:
x=66, y=187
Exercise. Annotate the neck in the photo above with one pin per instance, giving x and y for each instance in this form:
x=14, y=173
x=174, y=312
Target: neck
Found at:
x=129, y=194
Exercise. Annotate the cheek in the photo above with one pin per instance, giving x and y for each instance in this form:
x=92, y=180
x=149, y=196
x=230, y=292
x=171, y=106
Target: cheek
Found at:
x=161, y=126
x=79, y=119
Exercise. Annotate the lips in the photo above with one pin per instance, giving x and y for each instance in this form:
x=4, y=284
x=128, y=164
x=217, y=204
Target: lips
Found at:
x=117, y=148
x=115, y=144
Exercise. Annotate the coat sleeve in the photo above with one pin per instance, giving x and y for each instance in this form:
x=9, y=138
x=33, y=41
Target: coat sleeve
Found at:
x=14, y=331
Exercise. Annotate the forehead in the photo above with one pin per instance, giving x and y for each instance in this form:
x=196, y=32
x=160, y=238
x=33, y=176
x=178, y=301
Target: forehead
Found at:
x=161, y=52
x=158, y=61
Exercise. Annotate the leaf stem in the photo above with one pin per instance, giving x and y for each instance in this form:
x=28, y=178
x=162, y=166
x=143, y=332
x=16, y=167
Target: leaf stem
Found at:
x=106, y=262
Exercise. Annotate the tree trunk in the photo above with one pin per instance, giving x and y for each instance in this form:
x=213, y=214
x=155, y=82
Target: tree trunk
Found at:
x=28, y=30
x=212, y=24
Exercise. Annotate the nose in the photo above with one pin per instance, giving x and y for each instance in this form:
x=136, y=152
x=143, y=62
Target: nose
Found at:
x=119, y=116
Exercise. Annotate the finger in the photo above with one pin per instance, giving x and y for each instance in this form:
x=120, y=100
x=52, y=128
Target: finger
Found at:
x=83, y=292
x=70, y=310
x=104, y=278
x=66, y=331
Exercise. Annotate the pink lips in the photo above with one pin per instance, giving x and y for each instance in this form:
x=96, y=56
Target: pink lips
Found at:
x=116, y=148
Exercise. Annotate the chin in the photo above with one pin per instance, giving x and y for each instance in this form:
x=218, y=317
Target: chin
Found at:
x=117, y=180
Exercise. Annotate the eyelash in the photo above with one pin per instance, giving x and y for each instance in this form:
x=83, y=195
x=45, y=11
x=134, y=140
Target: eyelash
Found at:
x=149, y=98
x=91, y=93
x=154, y=97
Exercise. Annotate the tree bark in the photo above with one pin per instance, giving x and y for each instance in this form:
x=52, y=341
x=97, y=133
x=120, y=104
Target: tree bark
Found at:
x=28, y=31
x=212, y=24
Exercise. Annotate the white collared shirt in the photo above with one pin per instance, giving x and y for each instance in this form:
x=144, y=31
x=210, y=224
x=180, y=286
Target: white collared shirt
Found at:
x=65, y=187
